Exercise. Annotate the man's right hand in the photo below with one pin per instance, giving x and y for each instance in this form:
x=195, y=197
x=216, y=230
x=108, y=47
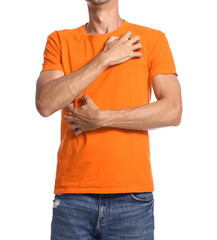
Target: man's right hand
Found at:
x=118, y=50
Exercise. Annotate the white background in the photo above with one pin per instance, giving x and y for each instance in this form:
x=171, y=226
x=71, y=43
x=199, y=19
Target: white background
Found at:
x=183, y=158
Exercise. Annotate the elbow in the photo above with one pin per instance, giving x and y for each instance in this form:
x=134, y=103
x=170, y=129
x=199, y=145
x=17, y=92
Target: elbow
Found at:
x=42, y=108
x=177, y=115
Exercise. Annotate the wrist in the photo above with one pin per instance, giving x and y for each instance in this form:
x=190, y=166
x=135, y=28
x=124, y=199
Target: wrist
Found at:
x=104, y=60
x=103, y=118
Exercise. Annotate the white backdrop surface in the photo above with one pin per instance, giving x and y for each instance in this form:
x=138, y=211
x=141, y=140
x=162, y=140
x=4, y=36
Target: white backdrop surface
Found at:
x=183, y=158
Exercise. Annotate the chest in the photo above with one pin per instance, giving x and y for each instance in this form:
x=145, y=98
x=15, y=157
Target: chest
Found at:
x=121, y=85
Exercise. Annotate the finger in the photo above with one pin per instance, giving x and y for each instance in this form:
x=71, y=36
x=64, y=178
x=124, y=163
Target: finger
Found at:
x=137, y=54
x=112, y=38
x=134, y=39
x=85, y=98
x=70, y=106
x=68, y=117
x=69, y=114
x=72, y=111
x=136, y=46
x=126, y=36
x=78, y=131
x=73, y=126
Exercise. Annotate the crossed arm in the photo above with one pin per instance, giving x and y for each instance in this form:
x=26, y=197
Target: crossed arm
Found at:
x=166, y=111
x=55, y=91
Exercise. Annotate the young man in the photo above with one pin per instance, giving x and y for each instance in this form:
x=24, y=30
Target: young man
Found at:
x=100, y=76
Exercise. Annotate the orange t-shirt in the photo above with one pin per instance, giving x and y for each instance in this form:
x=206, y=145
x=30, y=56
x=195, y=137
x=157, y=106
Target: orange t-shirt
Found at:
x=107, y=160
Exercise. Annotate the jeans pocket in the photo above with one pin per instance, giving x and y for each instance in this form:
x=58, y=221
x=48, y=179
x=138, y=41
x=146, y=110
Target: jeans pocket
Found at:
x=143, y=196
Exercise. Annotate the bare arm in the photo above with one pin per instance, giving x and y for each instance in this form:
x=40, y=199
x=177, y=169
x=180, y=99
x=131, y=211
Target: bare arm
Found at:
x=166, y=111
x=55, y=91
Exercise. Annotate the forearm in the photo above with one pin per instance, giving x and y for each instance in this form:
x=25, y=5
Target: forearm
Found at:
x=60, y=92
x=144, y=117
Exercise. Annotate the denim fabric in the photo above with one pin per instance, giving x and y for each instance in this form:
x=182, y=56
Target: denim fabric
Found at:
x=118, y=216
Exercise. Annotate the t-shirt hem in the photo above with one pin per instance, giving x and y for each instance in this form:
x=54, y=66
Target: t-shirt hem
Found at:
x=168, y=71
x=103, y=190
x=52, y=68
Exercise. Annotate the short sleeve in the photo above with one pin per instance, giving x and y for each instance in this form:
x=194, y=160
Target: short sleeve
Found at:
x=52, y=53
x=161, y=58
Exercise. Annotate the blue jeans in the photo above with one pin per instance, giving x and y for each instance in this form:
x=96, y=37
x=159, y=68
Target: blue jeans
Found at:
x=118, y=216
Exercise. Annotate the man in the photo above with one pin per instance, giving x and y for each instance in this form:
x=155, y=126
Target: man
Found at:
x=100, y=75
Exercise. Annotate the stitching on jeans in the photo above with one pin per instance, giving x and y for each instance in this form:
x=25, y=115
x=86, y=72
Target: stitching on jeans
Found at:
x=142, y=200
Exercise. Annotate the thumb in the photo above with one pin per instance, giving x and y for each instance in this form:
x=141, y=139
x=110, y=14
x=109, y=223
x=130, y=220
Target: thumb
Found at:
x=85, y=98
x=89, y=102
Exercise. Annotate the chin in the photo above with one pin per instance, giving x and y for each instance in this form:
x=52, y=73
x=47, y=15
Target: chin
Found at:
x=98, y=2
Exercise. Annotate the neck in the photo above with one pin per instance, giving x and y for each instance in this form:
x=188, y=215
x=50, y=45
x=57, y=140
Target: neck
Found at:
x=103, y=18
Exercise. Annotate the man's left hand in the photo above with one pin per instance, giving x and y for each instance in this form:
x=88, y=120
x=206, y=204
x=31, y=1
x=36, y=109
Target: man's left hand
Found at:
x=85, y=118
